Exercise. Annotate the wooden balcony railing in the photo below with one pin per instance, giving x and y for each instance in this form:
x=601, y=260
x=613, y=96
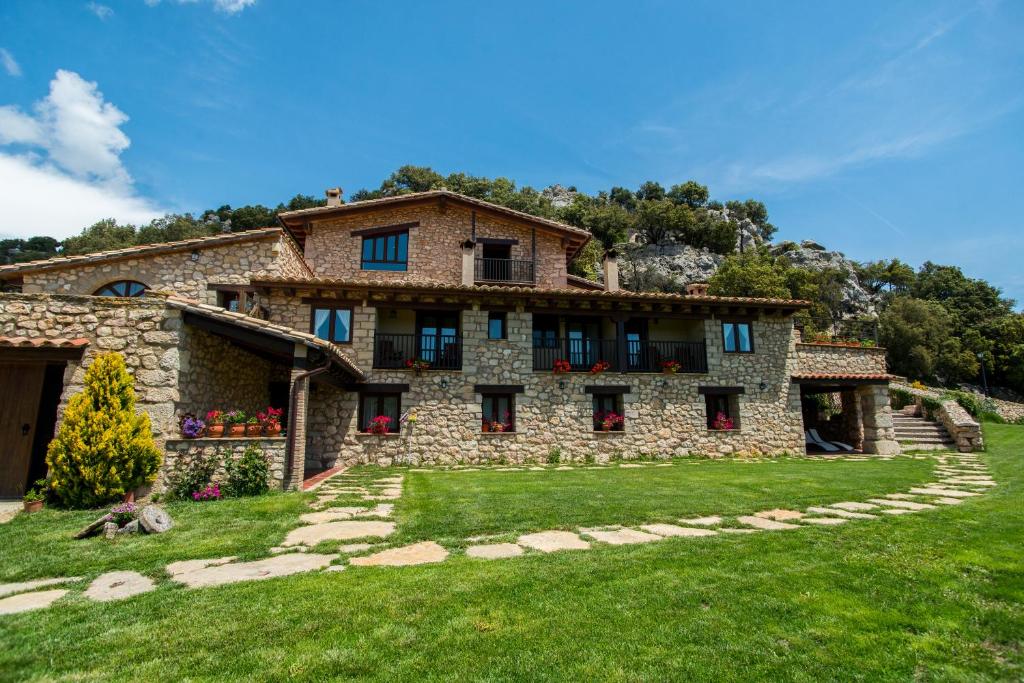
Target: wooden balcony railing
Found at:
x=442, y=352
x=505, y=270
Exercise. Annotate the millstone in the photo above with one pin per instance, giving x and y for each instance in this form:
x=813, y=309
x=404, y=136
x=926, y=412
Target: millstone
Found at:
x=155, y=520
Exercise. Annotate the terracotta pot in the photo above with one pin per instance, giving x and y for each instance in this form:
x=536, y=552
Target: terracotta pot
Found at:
x=273, y=431
x=215, y=431
x=236, y=430
x=32, y=505
x=669, y=371
x=253, y=430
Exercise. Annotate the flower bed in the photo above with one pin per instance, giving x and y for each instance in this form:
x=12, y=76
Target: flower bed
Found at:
x=233, y=424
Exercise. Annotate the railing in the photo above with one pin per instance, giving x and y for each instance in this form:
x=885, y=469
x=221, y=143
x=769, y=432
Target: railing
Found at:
x=838, y=330
x=504, y=270
x=582, y=354
x=442, y=352
x=649, y=356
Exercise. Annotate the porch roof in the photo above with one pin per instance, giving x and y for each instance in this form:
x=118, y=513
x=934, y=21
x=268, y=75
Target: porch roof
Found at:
x=254, y=326
x=576, y=298
x=42, y=348
x=841, y=378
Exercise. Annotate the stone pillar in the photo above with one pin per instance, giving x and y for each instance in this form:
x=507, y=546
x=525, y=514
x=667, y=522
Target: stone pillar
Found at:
x=297, y=439
x=879, y=434
x=853, y=427
x=468, y=263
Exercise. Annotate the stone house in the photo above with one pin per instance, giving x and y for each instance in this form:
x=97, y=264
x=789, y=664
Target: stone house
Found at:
x=450, y=322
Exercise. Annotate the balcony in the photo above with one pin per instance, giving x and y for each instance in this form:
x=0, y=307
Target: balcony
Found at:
x=392, y=351
x=636, y=356
x=504, y=271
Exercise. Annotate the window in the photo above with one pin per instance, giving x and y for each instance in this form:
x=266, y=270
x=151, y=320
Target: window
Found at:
x=377, y=405
x=332, y=324
x=389, y=251
x=723, y=411
x=499, y=413
x=236, y=300
x=496, y=325
x=122, y=288
x=608, y=414
x=737, y=338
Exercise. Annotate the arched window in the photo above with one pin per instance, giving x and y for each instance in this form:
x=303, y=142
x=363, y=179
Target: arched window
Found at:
x=122, y=288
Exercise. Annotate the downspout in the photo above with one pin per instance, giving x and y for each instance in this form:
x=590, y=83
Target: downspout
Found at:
x=293, y=401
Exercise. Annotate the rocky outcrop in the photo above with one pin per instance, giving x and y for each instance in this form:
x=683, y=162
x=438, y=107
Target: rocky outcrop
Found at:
x=559, y=196
x=857, y=301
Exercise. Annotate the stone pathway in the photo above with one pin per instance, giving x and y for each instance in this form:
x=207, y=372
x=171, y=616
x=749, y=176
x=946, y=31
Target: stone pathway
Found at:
x=9, y=510
x=961, y=476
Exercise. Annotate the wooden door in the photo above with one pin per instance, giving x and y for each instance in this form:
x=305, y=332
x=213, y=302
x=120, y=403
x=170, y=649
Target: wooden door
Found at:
x=21, y=385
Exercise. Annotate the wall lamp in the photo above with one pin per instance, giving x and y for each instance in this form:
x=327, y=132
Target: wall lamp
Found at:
x=444, y=383
x=561, y=384
x=195, y=255
x=763, y=386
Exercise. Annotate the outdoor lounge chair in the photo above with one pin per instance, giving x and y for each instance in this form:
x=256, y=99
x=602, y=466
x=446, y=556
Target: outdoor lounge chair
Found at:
x=823, y=445
x=838, y=445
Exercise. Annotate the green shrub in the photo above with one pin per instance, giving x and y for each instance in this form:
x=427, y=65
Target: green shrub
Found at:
x=900, y=398
x=991, y=416
x=247, y=476
x=188, y=477
x=969, y=402
x=931, y=406
x=103, y=449
x=555, y=455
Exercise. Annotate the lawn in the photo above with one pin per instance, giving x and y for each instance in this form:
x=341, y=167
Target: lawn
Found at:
x=933, y=596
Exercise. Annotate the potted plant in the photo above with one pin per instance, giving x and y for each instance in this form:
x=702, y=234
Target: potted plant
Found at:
x=671, y=367
x=561, y=366
x=379, y=425
x=34, y=497
x=123, y=514
x=607, y=420
x=599, y=367
x=417, y=365
x=193, y=427
x=215, y=423
x=253, y=426
x=722, y=422
x=270, y=420
x=235, y=421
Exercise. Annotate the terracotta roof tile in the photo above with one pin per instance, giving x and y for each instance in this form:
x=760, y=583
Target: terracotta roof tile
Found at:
x=877, y=376
x=59, y=262
x=43, y=342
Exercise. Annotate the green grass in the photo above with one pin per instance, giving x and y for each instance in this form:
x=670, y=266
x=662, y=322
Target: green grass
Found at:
x=931, y=596
x=454, y=505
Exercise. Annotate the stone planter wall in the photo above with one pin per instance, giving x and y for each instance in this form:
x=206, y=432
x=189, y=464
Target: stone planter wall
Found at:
x=822, y=357
x=963, y=428
x=180, y=452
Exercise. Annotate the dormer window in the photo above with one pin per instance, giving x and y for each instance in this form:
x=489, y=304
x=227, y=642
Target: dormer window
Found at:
x=122, y=288
x=386, y=251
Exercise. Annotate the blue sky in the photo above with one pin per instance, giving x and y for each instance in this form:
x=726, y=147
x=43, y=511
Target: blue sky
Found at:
x=876, y=128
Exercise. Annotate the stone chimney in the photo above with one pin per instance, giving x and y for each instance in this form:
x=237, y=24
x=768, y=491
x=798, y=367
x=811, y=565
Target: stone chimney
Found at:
x=697, y=289
x=334, y=196
x=469, y=263
x=611, y=271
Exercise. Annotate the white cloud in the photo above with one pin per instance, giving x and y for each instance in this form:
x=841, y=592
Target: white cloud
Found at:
x=8, y=62
x=101, y=11
x=225, y=6
x=41, y=200
x=68, y=173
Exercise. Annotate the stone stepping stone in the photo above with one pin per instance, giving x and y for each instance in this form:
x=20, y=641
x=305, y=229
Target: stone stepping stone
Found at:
x=905, y=504
x=740, y=531
x=419, y=553
x=713, y=520
x=947, y=501
x=186, y=566
x=824, y=521
x=494, y=551
x=673, y=530
x=25, y=586
x=623, y=536
x=337, y=531
x=551, y=541
x=118, y=586
x=380, y=510
x=852, y=506
x=945, y=493
x=280, y=565
x=900, y=496
x=841, y=513
x=25, y=602
x=969, y=482
x=779, y=515
x=329, y=515
x=896, y=511
x=765, y=524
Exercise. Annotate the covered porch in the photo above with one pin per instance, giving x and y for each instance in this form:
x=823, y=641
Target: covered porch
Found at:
x=846, y=412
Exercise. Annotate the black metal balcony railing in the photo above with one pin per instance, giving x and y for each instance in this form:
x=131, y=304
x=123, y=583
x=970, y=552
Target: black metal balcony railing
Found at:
x=837, y=330
x=504, y=270
x=650, y=356
x=582, y=354
x=442, y=352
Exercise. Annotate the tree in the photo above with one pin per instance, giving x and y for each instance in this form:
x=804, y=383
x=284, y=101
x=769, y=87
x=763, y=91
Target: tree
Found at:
x=102, y=450
x=969, y=301
x=623, y=198
x=101, y=236
x=609, y=223
x=893, y=276
x=690, y=193
x=651, y=191
x=917, y=336
x=658, y=221
x=752, y=273
x=756, y=213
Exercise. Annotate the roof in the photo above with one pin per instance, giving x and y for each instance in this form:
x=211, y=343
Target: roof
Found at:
x=42, y=342
x=855, y=377
x=295, y=220
x=582, y=282
x=247, y=322
x=59, y=262
x=526, y=292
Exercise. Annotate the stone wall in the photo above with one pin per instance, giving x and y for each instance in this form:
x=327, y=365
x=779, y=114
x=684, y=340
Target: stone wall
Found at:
x=230, y=264
x=820, y=357
x=964, y=429
x=665, y=415
x=435, y=251
x=180, y=453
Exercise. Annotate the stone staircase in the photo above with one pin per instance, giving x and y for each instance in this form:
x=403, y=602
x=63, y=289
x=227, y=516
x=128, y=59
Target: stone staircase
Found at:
x=916, y=433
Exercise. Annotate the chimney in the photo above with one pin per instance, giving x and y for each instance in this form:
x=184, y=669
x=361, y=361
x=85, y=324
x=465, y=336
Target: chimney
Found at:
x=334, y=196
x=611, y=271
x=697, y=289
x=469, y=263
